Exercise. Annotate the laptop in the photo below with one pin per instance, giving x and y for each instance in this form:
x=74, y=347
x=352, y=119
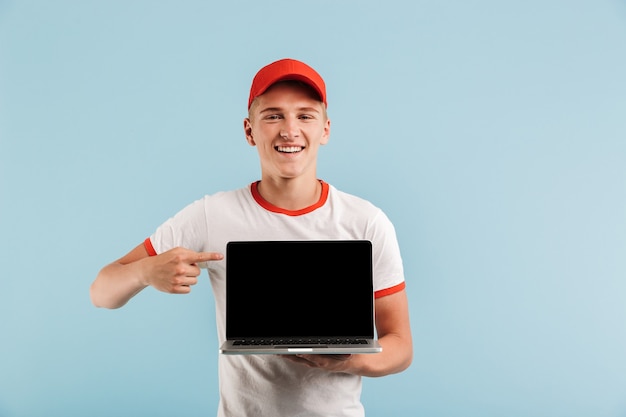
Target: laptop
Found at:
x=299, y=296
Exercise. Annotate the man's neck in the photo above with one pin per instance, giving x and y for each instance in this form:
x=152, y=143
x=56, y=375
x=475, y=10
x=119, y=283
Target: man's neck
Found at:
x=290, y=194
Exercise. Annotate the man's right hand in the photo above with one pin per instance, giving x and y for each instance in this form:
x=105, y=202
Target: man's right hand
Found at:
x=176, y=270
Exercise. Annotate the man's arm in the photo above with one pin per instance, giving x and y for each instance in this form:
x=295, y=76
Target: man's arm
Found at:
x=173, y=272
x=394, y=335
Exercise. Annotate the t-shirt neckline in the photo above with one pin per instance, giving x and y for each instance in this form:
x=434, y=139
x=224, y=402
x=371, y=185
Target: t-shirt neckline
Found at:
x=275, y=209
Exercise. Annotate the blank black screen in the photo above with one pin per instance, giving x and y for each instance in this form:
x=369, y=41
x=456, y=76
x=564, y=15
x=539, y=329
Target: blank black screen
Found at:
x=299, y=289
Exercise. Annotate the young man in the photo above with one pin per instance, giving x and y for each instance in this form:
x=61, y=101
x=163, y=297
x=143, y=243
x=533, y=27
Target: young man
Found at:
x=287, y=122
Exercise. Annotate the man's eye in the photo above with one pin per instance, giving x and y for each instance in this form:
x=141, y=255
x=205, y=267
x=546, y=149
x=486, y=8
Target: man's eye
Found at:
x=306, y=117
x=272, y=117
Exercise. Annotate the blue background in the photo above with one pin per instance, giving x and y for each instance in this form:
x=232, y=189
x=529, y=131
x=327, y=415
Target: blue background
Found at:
x=492, y=133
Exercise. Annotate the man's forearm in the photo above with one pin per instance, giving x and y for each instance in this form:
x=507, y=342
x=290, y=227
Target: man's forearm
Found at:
x=396, y=356
x=116, y=284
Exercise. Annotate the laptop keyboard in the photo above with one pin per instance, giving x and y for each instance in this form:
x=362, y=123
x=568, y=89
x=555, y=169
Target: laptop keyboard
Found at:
x=298, y=341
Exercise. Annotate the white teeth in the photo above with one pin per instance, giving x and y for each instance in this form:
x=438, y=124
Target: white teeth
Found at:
x=289, y=149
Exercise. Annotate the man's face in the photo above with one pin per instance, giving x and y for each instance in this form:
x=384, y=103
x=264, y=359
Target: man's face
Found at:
x=287, y=124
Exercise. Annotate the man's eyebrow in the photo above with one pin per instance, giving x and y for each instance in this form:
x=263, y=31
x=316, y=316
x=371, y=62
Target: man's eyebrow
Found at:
x=271, y=109
x=309, y=109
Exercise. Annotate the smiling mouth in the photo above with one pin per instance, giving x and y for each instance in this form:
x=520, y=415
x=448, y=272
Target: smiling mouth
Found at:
x=289, y=149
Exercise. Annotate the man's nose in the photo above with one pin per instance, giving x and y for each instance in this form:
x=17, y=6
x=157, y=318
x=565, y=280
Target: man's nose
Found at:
x=289, y=129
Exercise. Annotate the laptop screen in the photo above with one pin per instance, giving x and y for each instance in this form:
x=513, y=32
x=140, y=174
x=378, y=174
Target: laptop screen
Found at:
x=278, y=289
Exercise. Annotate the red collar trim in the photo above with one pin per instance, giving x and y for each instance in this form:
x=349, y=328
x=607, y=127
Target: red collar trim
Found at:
x=270, y=207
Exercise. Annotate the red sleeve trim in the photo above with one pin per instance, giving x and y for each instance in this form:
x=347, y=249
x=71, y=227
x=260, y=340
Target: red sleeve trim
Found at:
x=275, y=209
x=148, y=245
x=390, y=290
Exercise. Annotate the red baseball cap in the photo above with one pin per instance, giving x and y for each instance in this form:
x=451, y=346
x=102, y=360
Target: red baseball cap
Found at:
x=286, y=69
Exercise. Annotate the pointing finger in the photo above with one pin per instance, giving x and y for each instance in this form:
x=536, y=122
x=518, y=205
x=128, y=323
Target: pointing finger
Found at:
x=207, y=256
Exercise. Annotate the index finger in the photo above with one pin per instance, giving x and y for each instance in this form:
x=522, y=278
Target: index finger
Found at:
x=206, y=256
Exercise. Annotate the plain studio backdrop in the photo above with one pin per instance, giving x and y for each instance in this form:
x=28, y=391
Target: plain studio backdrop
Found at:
x=492, y=133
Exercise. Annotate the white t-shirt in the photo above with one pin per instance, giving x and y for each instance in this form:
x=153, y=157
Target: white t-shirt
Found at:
x=267, y=385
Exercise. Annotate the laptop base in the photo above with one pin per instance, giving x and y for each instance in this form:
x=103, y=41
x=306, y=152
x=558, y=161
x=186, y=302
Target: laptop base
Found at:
x=229, y=348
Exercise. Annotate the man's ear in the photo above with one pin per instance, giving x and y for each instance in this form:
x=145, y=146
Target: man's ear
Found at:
x=247, y=129
x=326, y=134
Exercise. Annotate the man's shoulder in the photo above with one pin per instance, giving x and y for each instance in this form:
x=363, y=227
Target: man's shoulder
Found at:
x=218, y=199
x=350, y=199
